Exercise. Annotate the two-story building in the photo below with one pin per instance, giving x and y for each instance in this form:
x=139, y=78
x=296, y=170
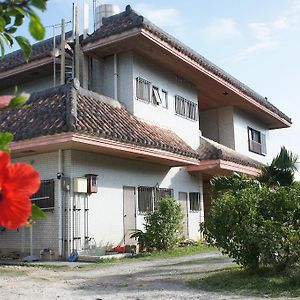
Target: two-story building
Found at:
x=154, y=119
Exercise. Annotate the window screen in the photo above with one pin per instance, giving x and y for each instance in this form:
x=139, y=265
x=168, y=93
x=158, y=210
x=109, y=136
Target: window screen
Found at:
x=44, y=198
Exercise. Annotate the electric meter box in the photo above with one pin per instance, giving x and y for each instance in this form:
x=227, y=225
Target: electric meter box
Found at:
x=80, y=185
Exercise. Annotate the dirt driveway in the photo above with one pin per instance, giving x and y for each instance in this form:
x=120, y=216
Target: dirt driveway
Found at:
x=133, y=279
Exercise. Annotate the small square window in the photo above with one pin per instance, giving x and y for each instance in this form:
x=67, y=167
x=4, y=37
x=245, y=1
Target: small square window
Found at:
x=257, y=141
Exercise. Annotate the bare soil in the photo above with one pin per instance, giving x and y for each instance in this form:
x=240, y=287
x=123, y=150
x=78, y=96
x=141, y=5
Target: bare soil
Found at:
x=129, y=279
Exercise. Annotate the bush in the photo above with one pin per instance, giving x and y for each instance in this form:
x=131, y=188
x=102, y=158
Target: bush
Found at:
x=257, y=225
x=162, y=226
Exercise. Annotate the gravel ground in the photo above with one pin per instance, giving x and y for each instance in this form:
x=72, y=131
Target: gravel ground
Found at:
x=136, y=279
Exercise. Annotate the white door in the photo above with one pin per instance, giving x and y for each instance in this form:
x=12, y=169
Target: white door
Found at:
x=183, y=200
x=129, y=214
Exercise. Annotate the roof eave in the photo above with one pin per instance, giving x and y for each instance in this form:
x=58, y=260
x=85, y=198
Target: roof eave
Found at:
x=222, y=167
x=83, y=142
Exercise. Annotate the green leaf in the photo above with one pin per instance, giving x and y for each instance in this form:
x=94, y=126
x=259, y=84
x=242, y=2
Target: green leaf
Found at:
x=2, y=48
x=12, y=29
x=40, y=4
x=37, y=213
x=24, y=45
x=2, y=24
x=8, y=38
x=36, y=27
x=5, y=139
x=19, y=20
x=18, y=100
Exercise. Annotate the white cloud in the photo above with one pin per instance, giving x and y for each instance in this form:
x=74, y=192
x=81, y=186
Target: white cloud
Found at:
x=268, y=35
x=222, y=29
x=162, y=17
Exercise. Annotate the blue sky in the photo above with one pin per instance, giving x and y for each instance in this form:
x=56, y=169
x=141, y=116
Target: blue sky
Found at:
x=255, y=41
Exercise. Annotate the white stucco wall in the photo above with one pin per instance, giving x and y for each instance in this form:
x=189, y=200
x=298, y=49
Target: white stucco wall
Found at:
x=30, y=86
x=106, y=206
x=187, y=129
x=45, y=231
x=217, y=125
x=130, y=66
x=241, y=123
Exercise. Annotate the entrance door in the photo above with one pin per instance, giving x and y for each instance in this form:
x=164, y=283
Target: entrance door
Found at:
x=183, y=200
x=129, y=214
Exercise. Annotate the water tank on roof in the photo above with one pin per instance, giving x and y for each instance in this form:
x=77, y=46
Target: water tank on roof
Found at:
x=104, y=11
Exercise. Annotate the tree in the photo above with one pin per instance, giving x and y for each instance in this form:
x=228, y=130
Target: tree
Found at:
x=162, y=226
x=256, y=222
x=282, y=169
x=12, y=15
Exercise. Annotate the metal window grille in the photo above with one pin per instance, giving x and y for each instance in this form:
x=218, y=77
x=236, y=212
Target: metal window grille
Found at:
x=143, y=89
x=44, y=198
x=194, y=201
x=186, y=108
x=145, y=199
x=148, y=196
x=163, y=193
x=164, y=98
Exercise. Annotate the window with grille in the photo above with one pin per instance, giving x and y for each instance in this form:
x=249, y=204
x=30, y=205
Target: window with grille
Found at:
x=44, y=197
x=145, y=199
x=194, y=201
x=257, y=141
x=164, y=98
x=163, y=193
x=147, y=196
x=143, y=88
x=186, y=108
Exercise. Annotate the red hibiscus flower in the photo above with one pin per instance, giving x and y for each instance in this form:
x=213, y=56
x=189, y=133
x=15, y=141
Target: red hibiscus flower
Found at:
x=17, y=183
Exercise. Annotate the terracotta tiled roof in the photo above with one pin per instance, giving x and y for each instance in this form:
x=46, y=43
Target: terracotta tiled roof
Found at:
x=39, y=50
x=211, y=150
x=70, y=108
x=130, y=19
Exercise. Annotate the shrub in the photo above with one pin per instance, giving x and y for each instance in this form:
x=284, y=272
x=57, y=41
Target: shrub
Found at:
x=257, y=225
x=162, y=226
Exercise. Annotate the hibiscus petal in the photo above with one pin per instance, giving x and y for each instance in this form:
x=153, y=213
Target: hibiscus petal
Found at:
x=23, y=179
x=14, y=212
x=4, y=166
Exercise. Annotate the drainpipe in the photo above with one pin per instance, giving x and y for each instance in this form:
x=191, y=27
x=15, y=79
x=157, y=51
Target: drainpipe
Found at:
x=60, y=204
x=115, y=76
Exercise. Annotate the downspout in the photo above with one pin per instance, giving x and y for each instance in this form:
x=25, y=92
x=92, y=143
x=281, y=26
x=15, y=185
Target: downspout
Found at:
x=60, y=204
x=116, y=76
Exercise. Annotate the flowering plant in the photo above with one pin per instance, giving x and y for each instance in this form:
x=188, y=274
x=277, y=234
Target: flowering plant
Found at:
x=19, y=181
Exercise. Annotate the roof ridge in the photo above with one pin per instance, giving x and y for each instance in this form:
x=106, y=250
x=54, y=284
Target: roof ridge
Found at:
x=37, y=44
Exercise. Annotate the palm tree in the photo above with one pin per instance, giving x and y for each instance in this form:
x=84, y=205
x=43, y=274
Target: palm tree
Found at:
x=282, y=169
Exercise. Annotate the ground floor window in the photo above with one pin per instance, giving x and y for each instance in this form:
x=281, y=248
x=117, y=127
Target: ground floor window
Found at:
x=44, y=197
x=194, y=198
x=147, y=196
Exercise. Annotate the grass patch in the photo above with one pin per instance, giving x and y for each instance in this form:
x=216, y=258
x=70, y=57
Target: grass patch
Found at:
x=8, y=271
x=175, y=252
x=234, y=280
